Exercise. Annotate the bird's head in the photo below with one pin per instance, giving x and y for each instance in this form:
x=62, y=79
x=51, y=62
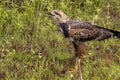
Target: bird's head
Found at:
x=59, y=16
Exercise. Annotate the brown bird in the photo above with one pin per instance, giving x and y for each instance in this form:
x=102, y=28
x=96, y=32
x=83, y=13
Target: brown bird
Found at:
x=81, y=31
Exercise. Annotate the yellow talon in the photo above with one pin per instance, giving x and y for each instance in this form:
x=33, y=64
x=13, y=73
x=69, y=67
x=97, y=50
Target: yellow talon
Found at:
x=75, y=68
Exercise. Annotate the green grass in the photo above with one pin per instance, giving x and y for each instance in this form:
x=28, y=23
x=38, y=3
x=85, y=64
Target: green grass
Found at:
x=31, y=48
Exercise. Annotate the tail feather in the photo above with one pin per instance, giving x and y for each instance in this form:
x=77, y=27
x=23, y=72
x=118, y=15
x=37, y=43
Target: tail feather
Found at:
x=116, y=34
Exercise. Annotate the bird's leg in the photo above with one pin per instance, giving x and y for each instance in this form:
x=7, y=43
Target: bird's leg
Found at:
x=79, y=68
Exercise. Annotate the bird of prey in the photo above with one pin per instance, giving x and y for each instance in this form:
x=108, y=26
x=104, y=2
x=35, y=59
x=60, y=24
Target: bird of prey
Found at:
x=81, y=31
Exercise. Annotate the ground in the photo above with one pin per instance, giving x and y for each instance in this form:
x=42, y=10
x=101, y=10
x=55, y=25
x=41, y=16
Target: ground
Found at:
x=32, y=48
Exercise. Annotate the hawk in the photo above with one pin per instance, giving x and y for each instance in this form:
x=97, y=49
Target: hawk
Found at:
x=81, y=31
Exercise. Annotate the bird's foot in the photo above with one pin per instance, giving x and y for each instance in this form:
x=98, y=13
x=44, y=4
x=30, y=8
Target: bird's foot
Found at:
x=75, y=68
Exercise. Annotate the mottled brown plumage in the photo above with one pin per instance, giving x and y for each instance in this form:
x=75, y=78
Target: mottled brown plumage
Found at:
x=81, y=31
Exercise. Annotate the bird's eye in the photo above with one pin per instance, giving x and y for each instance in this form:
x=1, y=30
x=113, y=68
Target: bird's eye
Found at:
x=56, y=13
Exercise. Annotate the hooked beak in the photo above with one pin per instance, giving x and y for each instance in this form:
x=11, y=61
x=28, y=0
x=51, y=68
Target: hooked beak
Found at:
x=50, y=14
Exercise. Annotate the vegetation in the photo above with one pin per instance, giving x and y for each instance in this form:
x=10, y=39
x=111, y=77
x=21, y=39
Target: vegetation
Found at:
x=31, y=48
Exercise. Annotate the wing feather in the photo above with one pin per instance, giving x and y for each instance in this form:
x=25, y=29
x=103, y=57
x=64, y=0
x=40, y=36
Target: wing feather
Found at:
x=83, y=34
x=82, y=31
x=80, y=24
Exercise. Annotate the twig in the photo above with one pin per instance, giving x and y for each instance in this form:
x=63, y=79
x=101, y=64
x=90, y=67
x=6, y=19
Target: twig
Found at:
x=79, y=68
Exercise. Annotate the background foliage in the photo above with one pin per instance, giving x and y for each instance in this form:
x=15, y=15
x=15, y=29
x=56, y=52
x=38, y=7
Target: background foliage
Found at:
x=31, y=48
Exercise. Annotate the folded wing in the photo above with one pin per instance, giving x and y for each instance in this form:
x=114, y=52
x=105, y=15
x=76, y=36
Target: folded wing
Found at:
x=84, y=31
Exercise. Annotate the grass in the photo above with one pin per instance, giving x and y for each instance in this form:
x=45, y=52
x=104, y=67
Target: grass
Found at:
x=31, y=48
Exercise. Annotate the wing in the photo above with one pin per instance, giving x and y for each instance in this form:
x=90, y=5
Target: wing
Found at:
x=80, y=24
x=82, y=31
x=85, y=31
x=83, y=34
